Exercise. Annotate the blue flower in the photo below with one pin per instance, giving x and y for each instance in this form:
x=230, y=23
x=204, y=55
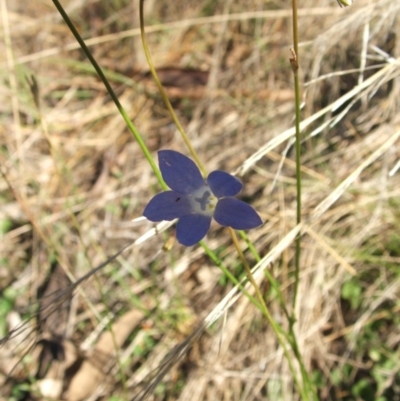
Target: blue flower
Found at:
x=195, y=201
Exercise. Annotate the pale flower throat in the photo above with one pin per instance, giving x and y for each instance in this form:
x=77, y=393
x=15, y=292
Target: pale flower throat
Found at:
x=203, y=201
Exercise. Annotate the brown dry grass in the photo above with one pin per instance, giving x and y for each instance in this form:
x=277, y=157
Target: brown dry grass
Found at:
x=75, y=182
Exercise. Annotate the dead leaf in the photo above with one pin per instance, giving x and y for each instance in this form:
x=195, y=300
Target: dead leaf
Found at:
x=53, y=309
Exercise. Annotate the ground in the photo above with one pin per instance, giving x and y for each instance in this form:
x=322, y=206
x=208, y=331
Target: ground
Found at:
x=161, y=321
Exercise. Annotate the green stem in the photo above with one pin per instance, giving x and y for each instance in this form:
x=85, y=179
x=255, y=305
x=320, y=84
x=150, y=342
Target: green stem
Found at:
x=270, y=278
x=248, y=270
x=275, y=327
x=230, y=276
x=295, y=67
x=112, y=94
x=164, y=95
x=308, y=389
x=252, y=248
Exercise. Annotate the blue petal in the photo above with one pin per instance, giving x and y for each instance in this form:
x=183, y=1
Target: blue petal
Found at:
x=192, y=228
x=231, y=212
x=179, y=172
x=224, y=184
x=167, y=205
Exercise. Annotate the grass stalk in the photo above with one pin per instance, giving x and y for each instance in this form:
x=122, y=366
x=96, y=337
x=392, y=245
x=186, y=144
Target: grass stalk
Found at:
x=270, y=278
x=230, y=276
x=280, y=334
x=295, y=68
x=248, y=271
x=164, y=95
x=112, y=94
x=294, y=61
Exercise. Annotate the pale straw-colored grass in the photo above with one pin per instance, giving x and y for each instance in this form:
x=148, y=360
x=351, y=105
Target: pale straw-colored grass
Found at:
x=80, y=184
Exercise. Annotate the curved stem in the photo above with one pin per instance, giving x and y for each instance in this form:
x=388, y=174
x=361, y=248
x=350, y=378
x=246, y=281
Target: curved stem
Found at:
x=275, y=327
x=111, y=92
x=164, y=95
x=248, y=270
x=230, y=276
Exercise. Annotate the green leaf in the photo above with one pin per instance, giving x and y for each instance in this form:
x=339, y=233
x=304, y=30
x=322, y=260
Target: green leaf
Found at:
x=351, y=291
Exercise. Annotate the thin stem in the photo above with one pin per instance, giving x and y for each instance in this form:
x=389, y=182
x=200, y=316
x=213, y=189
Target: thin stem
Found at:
x=252, y=248
x=307, y=388
x=295, y=67
x=295, y=29
x=248, y=270
x=276, y=328
x=112, y=94
x=164, y=95
x=231, y=277
x=270, y=278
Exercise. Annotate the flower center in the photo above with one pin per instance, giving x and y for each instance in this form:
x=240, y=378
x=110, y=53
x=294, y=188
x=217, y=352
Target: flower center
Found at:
x=204, y=202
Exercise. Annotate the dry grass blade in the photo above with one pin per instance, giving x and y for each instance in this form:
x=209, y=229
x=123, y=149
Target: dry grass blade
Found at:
x=284, y=136
x=187, y=23
x=93, y=375
x=335, y=195
x=231, y=298
x=78, y=183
